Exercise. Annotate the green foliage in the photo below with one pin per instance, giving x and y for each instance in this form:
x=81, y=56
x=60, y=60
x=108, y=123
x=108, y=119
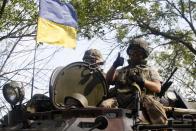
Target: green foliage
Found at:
x=97, y=15
x=121, y=33
x=171, y=22
x=18, y=13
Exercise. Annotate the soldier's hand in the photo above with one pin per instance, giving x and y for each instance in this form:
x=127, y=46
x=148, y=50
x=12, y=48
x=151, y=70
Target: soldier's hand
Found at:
x=139, y=80
x=119, y=61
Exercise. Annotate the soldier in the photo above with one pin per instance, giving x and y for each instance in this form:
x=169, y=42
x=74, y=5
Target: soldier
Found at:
x=90, y=95
x=94, y=58
x=136, y=77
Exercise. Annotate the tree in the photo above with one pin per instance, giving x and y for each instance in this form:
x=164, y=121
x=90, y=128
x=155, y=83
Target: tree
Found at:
x=169, y=24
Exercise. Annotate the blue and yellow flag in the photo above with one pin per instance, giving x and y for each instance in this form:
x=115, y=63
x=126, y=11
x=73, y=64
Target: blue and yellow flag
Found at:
x=57, y=23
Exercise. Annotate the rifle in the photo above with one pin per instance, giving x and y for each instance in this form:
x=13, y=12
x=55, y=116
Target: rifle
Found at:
x=167, y=84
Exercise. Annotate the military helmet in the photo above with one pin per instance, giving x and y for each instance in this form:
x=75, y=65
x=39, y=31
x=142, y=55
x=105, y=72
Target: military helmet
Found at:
x=93, y=54
x=78, y=99
x=139, y=43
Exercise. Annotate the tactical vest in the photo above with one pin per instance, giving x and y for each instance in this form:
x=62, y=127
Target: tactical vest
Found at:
x=123, y=82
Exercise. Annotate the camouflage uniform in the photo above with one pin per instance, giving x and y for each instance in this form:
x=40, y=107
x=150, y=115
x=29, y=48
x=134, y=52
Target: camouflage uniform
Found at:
x=124, y=89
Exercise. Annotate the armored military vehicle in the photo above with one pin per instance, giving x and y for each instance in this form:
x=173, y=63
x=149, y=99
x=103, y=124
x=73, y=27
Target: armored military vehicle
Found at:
x=75, y=93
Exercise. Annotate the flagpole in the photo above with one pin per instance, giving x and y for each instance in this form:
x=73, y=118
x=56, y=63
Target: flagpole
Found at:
x=33, y=70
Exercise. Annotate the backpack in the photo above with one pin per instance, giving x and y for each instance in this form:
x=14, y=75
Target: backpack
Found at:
x=154, y=110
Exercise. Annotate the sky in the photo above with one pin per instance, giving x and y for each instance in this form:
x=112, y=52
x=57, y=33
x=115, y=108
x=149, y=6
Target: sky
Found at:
x=66, y=56
x=63, y=57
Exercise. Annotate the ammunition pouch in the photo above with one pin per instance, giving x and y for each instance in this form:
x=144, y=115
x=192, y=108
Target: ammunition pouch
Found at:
x=126, y=97
x=126, y=100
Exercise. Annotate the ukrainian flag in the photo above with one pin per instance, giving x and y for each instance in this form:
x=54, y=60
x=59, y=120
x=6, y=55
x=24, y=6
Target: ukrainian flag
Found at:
x=57, y=23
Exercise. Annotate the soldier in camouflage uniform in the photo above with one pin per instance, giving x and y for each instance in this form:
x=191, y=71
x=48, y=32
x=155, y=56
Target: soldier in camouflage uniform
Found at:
x=94, y=58
x=136, y=77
